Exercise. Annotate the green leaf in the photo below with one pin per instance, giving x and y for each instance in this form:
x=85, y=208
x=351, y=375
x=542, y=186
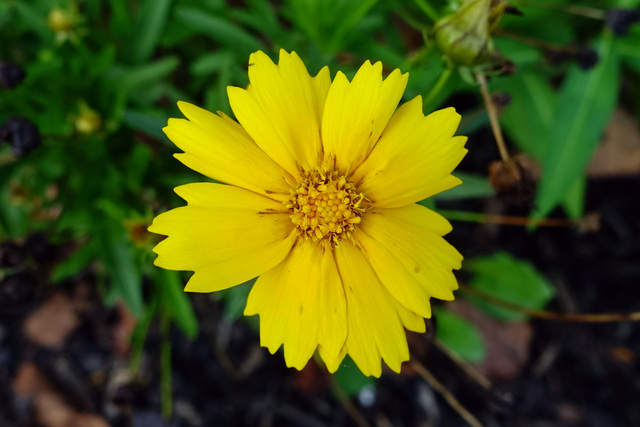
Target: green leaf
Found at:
x=509, y=279
x=132, y=78
x=459, y=335
x=528, y=116
x=148, y=123
x=74, y=263
x=147, y=31
x=573, y=202
x=211, y=62
x=350, y=379
x=176, y=301
x=235, y=299
x=117, y=255
x=33, y=20
x=585, y=103
x=219, y=29
x=137, y=165
x=473, y=186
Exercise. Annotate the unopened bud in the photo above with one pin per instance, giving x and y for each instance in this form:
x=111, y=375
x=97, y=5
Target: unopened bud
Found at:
x=88, y=121
x=465, y=36
x=60, y=21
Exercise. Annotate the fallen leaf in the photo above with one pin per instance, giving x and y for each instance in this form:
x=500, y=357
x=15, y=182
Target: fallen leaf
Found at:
x=51, y=324
x=50, y=408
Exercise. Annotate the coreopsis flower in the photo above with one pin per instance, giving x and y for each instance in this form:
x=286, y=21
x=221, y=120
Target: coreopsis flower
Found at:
x=318, y=184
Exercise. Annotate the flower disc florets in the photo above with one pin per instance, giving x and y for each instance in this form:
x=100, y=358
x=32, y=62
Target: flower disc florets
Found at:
x=326, y=206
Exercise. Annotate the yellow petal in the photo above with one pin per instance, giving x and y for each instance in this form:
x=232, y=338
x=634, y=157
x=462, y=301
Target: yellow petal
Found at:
x=399, y=282
x=375, y=329
x=411, y=234
x=414, y=157
x=226, y=234
x=301, y=304
x=282, y=109
x=220, y=148
x=332, y=362
x=357, y=112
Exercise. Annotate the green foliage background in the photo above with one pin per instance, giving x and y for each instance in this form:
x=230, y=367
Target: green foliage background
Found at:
x=123, y=65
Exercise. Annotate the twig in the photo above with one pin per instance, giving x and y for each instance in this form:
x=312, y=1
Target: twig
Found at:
x=589, y=222
x=537, y=43
x=493, y=117
x=165, y=367
x=445, y=393
x=561, y=317
x=573, y=9
x=468, y=369
x=347, y=404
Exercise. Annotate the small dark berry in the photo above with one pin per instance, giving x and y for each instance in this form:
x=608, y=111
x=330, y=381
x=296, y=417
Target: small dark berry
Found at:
x=619, y=20
x=11, y=75
x=21, y=133
x=587, y=58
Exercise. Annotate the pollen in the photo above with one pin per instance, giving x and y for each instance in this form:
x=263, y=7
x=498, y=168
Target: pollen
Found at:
x=325, y=205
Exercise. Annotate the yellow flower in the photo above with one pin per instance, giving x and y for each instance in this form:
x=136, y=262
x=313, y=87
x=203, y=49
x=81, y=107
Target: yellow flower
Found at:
x=321, y=181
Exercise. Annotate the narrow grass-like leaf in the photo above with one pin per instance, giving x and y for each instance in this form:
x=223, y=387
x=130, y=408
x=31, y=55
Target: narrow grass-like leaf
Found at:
x=585, y=103
x=219, y=29
x=132, y=78
x=176, y=301
x=148, y=123
x=147, y=31
x=528, y=116
x=74, y=263
x=117, y=255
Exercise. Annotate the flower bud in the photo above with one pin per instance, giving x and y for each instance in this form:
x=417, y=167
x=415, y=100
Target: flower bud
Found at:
x=465, y=35
x=88, y=121
x=60, y=21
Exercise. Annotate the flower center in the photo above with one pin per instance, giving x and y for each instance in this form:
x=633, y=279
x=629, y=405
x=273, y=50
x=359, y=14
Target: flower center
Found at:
x=325, y=205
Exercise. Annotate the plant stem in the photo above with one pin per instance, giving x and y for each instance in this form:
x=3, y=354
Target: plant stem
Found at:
x=348, y=406
x=493, y=117
x=437, y=88
x=467, y=368
x=537, y=43
x=519, y=220
x=165, y=366
x=445, y=393
x=574, y=9
x=561, y=317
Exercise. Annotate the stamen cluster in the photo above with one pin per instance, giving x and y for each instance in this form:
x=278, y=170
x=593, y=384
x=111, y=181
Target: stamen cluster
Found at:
x=325, y=206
